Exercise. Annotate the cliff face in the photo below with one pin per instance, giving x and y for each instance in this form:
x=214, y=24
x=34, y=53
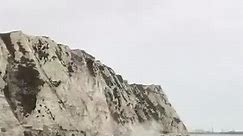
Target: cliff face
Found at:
x=48, y=89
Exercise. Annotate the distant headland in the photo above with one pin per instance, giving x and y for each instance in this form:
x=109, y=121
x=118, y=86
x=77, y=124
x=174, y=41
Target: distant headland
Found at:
x=211, y=132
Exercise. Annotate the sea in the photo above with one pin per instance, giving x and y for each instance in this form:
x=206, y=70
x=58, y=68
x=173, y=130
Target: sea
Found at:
x=216, y=134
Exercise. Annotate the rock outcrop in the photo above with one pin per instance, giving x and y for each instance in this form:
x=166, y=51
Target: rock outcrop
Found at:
x=47, y=89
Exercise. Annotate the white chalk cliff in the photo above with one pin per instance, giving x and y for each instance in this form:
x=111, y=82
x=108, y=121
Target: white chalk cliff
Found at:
x=47, y=89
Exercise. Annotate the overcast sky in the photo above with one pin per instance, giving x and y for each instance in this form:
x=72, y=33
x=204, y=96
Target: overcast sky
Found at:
x=193, y=48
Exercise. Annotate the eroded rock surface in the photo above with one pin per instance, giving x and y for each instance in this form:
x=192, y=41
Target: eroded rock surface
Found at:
x=47, y=89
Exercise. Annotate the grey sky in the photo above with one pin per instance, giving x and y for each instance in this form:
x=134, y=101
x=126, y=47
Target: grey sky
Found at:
x=193, y=48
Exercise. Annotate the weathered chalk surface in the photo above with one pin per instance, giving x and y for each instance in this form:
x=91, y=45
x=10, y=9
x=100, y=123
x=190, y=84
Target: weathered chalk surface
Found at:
x=47, y=89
